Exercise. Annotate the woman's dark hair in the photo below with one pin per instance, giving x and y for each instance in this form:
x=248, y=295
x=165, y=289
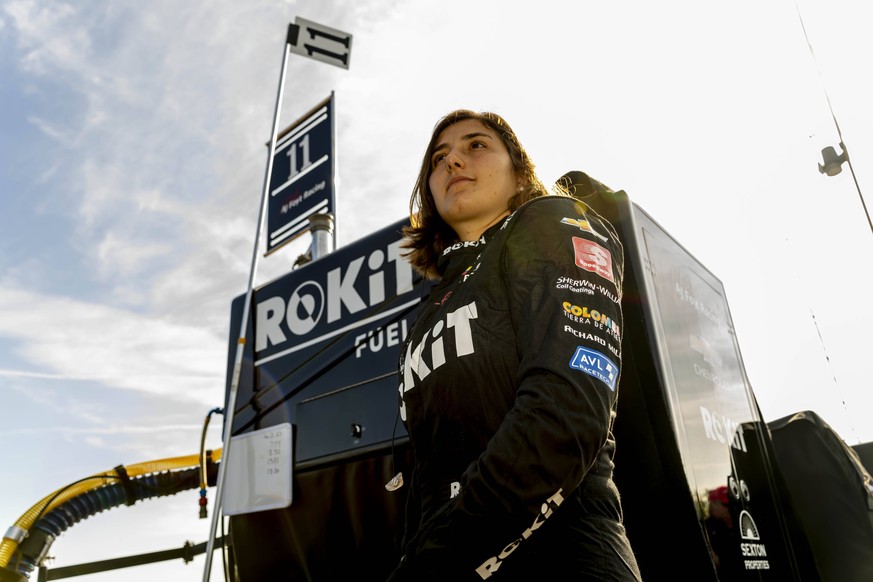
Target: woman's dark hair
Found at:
x=428, y=234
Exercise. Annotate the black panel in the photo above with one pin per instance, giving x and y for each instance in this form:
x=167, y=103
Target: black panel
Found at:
x=348, y=419
x=687, y=430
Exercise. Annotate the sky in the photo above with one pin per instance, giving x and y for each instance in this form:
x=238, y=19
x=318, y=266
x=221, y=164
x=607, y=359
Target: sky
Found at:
x=132, y=159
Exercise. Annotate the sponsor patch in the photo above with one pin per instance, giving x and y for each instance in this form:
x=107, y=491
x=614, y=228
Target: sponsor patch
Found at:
x=593, y=258
x=575, y=285
x=492, y=564
x=470, y=270
x=464, y=244
x=444, y=299
x=595, y=364
x=583, y=224
x=584, y=314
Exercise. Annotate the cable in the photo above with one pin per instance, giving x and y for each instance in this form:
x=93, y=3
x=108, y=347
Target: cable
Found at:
x=224, y=553
x=834, y=117
x=67, y=487
x=261, y=392
x=204, y=462
x=854, y=178
x=833, y=374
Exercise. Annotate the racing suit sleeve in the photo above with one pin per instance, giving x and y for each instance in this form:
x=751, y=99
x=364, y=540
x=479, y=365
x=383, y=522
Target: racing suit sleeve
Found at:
x=562, y=268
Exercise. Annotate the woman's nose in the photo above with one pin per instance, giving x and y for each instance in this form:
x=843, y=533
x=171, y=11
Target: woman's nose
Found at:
x=453, y=160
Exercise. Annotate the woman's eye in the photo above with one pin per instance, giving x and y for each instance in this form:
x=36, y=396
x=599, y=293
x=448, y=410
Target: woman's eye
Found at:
x=477, y=144
x=437, y=159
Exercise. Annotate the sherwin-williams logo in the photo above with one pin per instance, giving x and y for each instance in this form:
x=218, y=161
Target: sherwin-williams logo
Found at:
x=593, y=257
x=595, y=364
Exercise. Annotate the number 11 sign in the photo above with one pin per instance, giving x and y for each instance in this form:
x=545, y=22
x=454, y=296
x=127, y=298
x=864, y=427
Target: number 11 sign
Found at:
x=302, y=179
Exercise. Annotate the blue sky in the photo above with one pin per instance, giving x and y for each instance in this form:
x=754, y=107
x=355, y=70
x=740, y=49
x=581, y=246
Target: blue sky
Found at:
x=132, y=156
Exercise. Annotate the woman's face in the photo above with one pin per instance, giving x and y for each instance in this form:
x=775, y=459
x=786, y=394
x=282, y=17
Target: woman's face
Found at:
x=471, y=178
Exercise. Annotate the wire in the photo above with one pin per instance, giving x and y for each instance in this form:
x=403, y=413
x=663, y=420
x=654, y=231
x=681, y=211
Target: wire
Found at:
x=328, y=348
x=834, y=117
x=204, y=481
x=833, y=374
x=224, y=552
x=48, y=503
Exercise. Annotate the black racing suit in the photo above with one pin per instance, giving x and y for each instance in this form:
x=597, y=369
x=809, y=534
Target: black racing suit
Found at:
x=508, y=390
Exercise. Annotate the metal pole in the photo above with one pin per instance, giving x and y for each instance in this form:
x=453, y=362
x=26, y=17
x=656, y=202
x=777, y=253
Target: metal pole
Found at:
x=237, y=366
x=335, y=167
x=321, y=229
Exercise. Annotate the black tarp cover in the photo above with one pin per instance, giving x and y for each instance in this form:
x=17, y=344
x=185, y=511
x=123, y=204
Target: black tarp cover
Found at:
x=832, y=494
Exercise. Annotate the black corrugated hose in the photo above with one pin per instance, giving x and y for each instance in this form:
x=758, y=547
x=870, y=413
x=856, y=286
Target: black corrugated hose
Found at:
x=127, y=492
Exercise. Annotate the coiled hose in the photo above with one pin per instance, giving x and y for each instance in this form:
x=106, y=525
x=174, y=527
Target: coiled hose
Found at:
x=34, y=531
x=54, y=523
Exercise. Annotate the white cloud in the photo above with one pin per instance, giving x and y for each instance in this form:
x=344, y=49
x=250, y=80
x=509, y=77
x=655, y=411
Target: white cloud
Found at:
x=93, y=441
x=52, y=130
x=96, y=431
x=36, y=22
x=36, y=375
x=125, y=256
x=114, y=347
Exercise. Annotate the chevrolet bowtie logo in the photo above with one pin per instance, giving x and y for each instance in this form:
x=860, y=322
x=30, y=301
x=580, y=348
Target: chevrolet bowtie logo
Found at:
x=583, y=224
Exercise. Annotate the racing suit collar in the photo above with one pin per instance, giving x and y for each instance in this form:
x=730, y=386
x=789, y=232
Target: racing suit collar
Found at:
x=462, y=252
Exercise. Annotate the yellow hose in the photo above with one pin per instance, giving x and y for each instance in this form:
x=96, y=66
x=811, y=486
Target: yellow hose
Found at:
x=49, y=502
